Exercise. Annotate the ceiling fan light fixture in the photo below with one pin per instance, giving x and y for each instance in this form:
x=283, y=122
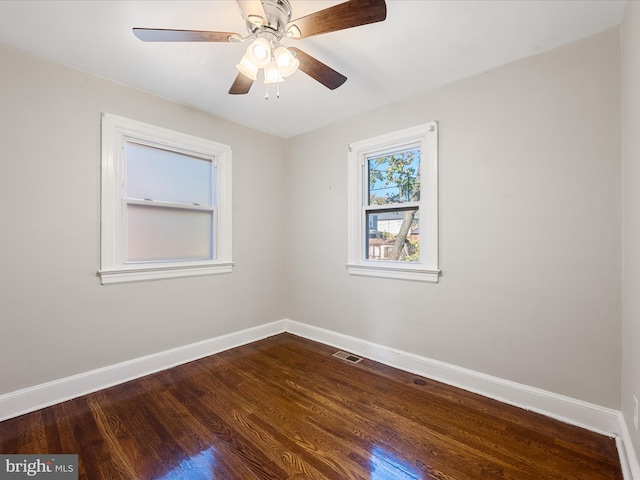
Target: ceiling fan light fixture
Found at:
x=272, y=74
x=282, y=56
x=268, y=22
x=259, y=52
x=290, y=68
x=248, y=68
x=286, y=62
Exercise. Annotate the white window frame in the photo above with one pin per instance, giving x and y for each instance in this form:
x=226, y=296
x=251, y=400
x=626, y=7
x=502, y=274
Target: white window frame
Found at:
x=427, y=269
x=116, y=132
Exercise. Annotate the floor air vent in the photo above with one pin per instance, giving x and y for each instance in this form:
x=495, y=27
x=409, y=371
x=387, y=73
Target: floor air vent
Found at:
x=349, y=357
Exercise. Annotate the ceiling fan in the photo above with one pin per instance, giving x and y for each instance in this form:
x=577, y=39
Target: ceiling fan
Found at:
x=268, y=22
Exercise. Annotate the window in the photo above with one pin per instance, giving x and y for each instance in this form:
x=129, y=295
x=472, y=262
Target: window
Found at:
x=166, y=203
x=393, y=205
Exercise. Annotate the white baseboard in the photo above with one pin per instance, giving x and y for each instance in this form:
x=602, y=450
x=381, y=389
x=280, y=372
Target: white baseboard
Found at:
x=569, y=410
x=40, y=396
x=628, y=457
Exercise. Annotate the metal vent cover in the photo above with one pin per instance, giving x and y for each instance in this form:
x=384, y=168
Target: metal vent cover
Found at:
x=347, y=357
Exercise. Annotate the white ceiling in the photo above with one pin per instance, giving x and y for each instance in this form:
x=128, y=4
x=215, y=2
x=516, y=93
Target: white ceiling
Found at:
x=422, y=45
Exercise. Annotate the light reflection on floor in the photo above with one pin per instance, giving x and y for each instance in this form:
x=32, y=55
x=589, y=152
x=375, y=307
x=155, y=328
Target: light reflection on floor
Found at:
x=194, y=467
x=386, y=466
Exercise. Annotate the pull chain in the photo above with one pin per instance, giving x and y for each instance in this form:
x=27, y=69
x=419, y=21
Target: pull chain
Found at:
x=266, y=91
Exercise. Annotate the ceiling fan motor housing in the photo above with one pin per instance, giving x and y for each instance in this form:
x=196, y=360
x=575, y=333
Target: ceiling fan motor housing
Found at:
x=278, y=15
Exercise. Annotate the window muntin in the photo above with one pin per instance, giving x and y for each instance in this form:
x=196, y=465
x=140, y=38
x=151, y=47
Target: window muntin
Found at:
x=166, y=203
x=393, y=205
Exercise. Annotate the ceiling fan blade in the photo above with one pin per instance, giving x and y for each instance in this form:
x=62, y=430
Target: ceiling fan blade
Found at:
x=241, y=85
x=317, y=70
x=167, y=35
x=352, y=13
x=253, y=11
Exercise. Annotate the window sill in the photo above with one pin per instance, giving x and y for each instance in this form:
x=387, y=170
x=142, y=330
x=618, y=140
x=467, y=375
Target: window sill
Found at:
x=398, y=273
x=131, y=274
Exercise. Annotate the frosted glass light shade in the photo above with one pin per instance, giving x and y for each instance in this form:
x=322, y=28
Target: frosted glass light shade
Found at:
x=282, y=56
x=290, y=68
x=287, y=63
x=247, y=68
x=259, y=52
x=272, y=74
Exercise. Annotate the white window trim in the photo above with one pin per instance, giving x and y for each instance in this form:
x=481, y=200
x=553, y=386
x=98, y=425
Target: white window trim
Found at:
x=427, y=270
x=116, y=131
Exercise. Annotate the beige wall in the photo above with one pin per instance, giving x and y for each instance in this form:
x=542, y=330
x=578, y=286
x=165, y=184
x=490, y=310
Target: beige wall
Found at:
x=55, y=317
x=530, y=226
x=631, y=215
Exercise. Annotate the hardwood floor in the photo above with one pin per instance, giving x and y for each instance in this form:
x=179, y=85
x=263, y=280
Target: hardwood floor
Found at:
x=283, y=408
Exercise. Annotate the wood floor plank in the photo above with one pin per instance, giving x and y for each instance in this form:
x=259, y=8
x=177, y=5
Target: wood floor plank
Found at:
x=244, y=419
x=366, y=408
x=240, y=410
x=284, y=408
